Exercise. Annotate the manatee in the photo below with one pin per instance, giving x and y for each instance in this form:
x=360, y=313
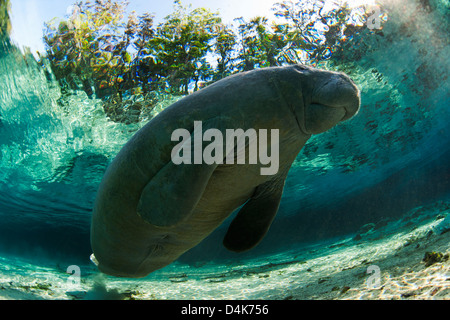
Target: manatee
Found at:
x=149, y=210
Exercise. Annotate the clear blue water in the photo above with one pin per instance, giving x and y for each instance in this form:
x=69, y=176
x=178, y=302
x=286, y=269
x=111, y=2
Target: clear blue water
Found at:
x=393, y=157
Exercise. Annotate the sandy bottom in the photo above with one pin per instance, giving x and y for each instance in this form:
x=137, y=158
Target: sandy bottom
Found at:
x=379, y=262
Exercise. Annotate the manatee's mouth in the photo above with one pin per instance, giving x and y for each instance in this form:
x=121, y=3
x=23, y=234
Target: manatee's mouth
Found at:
x=347, y=111
x=320, y=117
x=337, y=100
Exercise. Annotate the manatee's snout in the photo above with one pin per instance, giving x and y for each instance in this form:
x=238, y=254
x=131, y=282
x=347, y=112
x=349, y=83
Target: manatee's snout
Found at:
x=335, y=98
x=339, y=91
x=350, y=95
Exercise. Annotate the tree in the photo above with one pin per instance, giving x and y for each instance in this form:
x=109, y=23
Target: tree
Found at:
x=312, y=33
x=224, y=47
x=269, y=44
x=129, y=62
x=181, y=44
x=92, y=49
x=87, y=46
x=140, y=32
x=5, y=23
x=248, y=48
x=259, y=46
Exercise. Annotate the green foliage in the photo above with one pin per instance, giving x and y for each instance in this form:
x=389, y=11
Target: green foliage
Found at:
x=433, y=257
x=260, y=46
x=312, y=33
x=91, y=48
x=5, y=24
x=88, y=46
x=181, y=44
x=224, y=47
x=132, y=60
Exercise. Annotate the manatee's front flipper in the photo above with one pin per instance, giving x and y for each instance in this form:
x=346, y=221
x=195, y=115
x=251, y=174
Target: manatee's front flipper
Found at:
x=171, y=195
x=254, y=219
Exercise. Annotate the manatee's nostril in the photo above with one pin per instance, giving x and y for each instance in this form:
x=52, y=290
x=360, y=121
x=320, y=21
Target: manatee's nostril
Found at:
x=338, y=91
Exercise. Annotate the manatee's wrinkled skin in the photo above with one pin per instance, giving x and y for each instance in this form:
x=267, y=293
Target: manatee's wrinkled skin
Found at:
x=149, y=211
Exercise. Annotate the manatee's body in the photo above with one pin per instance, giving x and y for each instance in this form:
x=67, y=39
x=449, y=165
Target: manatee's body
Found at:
x=150, y=211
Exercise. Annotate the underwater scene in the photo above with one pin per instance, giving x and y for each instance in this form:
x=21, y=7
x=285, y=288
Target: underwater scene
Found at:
x=93, y=205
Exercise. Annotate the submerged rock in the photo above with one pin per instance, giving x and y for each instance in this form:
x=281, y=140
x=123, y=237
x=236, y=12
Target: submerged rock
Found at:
x=345, y=289
x=443, y=226
x=431, y=258
x=366, y=228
